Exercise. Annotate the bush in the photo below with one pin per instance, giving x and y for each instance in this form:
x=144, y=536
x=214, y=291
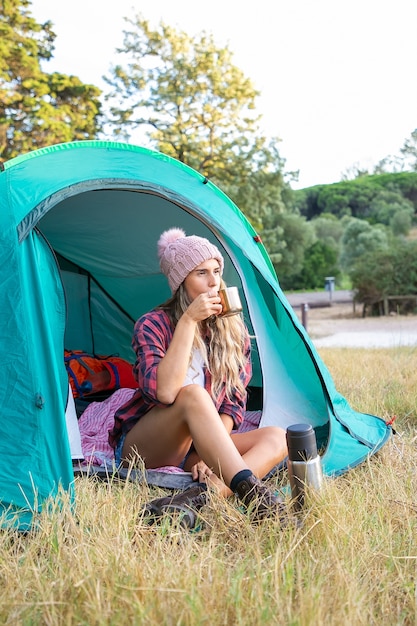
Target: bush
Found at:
x=386, y=272
x=354, y=197
x=320, y=260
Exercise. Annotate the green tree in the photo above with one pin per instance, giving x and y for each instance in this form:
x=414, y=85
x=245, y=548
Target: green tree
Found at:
x=191, y=102
x=38, y=109
x=355, y=197
x=386, y=203
x=294, y=237
x=328, y=229
x=360, y=239
x=386, y=271
x=405, y=161
x=409, y=151
x=261, y=194
x=194, y=104
x=401, y=222
x=320, y=260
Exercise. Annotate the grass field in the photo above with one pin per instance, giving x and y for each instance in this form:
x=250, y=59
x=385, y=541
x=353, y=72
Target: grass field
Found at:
x=353, y=560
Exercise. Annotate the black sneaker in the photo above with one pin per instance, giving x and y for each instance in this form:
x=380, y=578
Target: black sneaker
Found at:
x=260, y=500
x=185, y=505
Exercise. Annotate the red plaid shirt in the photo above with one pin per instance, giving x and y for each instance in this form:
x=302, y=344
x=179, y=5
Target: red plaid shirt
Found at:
x=151, y=338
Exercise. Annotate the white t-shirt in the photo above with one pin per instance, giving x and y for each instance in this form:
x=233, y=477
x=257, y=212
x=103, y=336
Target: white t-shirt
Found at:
x=195, y=373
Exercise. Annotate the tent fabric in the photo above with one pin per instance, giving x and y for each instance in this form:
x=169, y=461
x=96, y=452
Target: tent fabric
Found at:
x=79, y=224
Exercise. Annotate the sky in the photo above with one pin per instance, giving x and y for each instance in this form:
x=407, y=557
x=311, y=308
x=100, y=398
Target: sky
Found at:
x=337, y=78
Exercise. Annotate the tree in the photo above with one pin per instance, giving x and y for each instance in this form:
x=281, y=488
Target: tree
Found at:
x=320, y=260
x=389, y=164
x=354, y=171
x=355, y=197
x=360, y=239
x=401, y=223
x=295, y=236
x=38, y=109
x=393, y=210
x=409, y=150
x=328, y=229
x=261, y=194
x=391, y=271
x=193, y=104
x=190, y=100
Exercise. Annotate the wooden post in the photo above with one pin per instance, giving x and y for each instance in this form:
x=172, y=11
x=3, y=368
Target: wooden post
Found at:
x=304, y=309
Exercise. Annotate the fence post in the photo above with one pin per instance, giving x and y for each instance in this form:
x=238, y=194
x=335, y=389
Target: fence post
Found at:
x=304, y=309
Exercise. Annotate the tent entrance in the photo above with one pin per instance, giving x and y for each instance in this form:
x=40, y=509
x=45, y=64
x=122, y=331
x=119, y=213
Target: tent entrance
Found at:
x=105, y=242
x=110, y=271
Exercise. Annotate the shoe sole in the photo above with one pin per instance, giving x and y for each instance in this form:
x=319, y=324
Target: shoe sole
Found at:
x=185, y=516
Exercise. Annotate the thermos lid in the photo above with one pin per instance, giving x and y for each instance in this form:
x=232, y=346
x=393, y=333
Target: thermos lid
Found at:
x=301, y=442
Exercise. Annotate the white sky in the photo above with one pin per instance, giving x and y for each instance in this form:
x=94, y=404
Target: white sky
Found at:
x=337, y=78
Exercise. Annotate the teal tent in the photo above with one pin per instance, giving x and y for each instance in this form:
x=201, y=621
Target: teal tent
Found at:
x=79, y=225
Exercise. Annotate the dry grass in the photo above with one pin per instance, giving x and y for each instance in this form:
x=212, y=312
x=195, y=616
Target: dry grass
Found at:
x=353, y=561
x=382, y=382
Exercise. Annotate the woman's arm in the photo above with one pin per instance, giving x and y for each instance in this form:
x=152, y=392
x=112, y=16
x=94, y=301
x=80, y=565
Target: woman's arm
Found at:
x=173, y=367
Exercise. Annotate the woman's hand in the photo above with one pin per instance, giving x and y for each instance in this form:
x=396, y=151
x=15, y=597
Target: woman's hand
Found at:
x=201, y=472
x=204, y=305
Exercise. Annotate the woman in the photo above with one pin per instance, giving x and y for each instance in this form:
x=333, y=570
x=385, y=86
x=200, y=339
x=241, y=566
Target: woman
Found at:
x=192, y=368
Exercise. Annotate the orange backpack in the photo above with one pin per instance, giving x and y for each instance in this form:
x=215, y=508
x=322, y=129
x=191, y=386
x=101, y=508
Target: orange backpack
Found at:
x=93, y=373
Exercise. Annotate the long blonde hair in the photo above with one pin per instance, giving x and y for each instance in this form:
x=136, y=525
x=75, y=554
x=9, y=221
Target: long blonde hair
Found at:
x=225, y=356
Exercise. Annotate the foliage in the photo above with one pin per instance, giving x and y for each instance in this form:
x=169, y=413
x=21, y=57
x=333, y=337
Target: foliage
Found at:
x=359, y=239
x=368, y=213
x=195, y=105
x=355, y=197
x=392, y=209
x=262, y=195
x=386, y=271
x=405, y=161
x=409, y=150
x=320, y=260
x=328, y=229
x=293, y=237
x=401, y=221
x=38, y=109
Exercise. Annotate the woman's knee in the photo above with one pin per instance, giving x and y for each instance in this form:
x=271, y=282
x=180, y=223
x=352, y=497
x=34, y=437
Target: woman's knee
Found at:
x=194, y=403
x=191, y=396
x=274, y=436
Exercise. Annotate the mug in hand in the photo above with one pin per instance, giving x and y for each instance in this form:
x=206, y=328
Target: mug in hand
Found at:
x=230, y=301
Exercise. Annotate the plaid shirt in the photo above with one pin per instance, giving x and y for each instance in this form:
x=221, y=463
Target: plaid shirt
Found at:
x=151, y=338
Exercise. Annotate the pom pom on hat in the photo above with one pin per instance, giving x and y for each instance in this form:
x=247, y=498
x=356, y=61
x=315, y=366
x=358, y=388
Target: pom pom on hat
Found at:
x=167, y=237
x=179, y=255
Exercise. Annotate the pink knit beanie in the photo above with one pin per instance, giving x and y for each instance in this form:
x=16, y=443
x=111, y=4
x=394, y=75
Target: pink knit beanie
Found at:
x=179, y=255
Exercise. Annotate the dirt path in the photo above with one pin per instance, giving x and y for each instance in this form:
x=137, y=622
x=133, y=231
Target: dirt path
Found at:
x=340, y=319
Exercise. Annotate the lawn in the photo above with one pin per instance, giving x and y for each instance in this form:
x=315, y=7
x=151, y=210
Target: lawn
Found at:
x=352, y=560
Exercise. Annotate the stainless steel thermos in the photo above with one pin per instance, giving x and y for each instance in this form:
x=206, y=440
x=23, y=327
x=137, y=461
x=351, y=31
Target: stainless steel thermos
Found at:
x=304, y=462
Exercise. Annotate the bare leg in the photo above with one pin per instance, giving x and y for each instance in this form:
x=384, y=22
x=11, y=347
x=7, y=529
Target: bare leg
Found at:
x=164, y=435
x=262, y=449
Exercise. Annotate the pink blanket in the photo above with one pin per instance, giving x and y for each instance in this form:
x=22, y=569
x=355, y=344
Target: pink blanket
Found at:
x=97, y=420
x=94, y=424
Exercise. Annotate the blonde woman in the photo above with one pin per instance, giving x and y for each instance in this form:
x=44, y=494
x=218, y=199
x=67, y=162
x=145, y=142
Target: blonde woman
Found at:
x=192, y=368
